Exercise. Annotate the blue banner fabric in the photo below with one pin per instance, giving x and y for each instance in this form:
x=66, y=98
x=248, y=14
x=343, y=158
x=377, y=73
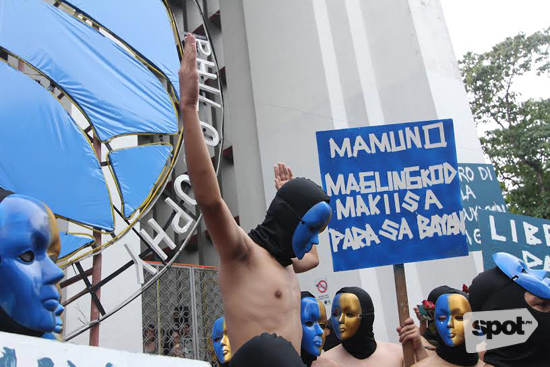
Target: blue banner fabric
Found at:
x=479, y=190
x=115, y=90
x=395, y=194
x=145, y=25
x=44, y=154
x=135, y=181
x=525, y=237
x=71, y=243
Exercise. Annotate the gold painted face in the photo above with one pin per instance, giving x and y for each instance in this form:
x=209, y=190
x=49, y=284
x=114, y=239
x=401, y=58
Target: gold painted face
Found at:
x=226, y=349
x=55, y=243
x=458, y=306
x=349, y=318
x=323, y=322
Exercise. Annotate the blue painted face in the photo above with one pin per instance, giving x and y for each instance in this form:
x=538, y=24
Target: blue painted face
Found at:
x=314, y=321
x=307, y=232
x=449, y=318
x=221, y=341
x=28, y=276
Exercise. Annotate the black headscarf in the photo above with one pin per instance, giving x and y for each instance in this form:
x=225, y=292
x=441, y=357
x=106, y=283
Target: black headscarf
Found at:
x=267, y=350
x=363, y=344
x=292, y=201
x=457, y=354
x=4, y=194
x=494, y=290
x=431, y=333
x=307, y=357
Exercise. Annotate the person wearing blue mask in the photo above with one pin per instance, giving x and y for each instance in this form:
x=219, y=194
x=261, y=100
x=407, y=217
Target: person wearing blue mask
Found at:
x=449, y=322
x=258, y=270
x=29, y=298
x=314, y=331
x=220, y=342
x=513, y=285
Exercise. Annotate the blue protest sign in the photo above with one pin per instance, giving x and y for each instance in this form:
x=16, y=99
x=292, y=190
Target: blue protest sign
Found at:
x=525, y=237
x=395, y=194
x=479, y=190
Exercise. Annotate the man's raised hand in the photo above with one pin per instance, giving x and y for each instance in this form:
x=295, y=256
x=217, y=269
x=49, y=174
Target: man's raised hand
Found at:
x=283, y=174
x=189, y=75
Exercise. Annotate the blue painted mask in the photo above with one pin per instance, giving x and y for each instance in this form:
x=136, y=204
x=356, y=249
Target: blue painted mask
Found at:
x=307, y=232
x=449, y=318
x=28, y=276
x=314, y=321
x=221, y=341
x=533, y=281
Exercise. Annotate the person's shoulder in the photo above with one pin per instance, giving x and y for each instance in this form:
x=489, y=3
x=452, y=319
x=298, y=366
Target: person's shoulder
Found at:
x=389, y=347
x=332, y=352
x=325, y=362
x=430, y=361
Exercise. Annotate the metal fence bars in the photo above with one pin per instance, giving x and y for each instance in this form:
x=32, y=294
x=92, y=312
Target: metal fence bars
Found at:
x=179, y=312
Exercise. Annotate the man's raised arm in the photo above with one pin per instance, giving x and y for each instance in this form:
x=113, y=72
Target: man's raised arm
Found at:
x=227, y=236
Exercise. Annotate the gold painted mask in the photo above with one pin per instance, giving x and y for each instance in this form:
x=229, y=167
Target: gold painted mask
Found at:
x=346, y=315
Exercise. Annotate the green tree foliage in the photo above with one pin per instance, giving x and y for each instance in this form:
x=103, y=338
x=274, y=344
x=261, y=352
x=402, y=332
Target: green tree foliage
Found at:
x=517, y=139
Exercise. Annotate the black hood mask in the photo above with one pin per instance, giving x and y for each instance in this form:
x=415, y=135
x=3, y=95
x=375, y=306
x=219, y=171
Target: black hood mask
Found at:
x=292, y=201
x=494, y=290
x=457, y=354
x=363, y=344
x=266, y=350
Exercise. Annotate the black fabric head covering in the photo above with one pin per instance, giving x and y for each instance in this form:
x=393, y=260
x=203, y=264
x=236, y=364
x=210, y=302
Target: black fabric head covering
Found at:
x=292, y=201
x=6, y=323
x=494, y=290
x=362, y=345
x=266, y=350
x=456, y=355
x=307, y=358
x=4, y=194
x=431, y=334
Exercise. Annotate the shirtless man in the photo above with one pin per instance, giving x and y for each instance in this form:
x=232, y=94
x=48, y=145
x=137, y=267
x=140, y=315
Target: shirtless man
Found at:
x=353, y=318
x=260, y=289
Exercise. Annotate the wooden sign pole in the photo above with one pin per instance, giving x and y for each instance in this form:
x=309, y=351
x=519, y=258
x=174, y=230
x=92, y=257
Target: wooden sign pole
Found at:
x=403, y=309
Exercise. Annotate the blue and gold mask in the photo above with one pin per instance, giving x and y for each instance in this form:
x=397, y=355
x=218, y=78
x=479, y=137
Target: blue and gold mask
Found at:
x=314, y=321
x=28, y=276
x=220, y=340
x=449, y=318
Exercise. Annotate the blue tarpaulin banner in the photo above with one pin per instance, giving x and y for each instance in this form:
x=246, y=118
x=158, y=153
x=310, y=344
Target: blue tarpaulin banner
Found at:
x=525, y=237
x=480, y=190
x=395, y=194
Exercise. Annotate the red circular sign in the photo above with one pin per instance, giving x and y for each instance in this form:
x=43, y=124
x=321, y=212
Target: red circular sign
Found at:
x=322, y=286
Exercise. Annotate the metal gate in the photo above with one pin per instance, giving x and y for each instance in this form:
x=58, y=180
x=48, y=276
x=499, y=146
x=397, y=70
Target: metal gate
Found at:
x=179, y=311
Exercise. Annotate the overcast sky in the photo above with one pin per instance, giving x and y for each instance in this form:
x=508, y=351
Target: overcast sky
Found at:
x=477, y=25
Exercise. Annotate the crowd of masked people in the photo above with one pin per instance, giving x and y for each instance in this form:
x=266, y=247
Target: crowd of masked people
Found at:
x=266, y=322
x=345, y=337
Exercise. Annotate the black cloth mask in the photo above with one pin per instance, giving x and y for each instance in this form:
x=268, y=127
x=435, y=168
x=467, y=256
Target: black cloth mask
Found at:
x=292, y=201
x=267, y=350
x=431, y=333
x=363, y=344
x=494, y=290
x=4, y=194
x=7, y=325
x=457, y=354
